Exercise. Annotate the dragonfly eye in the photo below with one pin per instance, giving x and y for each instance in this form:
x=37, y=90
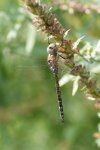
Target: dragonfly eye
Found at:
x=50, y=47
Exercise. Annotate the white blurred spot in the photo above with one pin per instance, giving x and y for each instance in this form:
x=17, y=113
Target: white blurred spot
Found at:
x=65, y=79
x=91, y=98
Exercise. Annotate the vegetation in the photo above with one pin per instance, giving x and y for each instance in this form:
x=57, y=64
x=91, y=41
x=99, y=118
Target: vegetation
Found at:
x=29, y=117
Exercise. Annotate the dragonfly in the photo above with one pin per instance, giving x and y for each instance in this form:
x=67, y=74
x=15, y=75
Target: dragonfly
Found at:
x=53, y=58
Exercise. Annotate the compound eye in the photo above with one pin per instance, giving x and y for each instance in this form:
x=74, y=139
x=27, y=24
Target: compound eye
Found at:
x=50, y=47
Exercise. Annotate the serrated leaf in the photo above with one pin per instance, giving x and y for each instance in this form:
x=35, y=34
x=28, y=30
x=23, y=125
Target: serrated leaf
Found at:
x=77, y=42
x=65, y=79
x=75, y=85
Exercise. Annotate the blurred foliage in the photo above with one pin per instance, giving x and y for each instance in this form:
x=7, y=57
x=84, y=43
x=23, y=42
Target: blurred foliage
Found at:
x=29, y=117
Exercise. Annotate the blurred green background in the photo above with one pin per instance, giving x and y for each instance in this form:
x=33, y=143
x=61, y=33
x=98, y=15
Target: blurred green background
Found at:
x=29, y=116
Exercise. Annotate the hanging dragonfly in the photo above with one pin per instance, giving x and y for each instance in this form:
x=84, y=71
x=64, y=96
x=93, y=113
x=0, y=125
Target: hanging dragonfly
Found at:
x=53, y=58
